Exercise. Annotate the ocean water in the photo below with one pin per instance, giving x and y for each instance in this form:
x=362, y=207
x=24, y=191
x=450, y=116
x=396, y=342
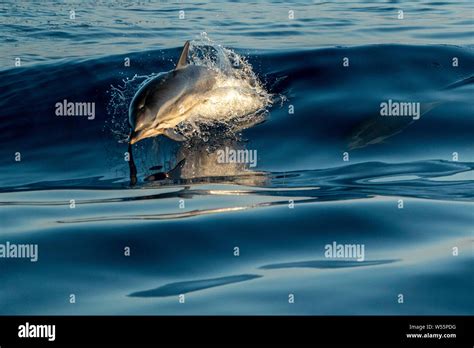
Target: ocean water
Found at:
x=330, y=169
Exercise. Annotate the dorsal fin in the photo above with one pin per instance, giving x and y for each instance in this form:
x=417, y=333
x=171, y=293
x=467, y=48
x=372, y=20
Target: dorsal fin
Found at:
x=184, y=56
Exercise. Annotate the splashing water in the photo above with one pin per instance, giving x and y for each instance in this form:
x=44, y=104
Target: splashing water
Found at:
x=237, y=86
x=117, y=108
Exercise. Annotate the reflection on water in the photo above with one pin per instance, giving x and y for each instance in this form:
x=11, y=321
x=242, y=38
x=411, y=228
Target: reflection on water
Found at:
x=201, y=162
x=246, y=190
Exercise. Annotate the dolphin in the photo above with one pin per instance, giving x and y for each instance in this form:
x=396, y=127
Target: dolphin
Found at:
x=160, y=104
x=193, y=93
x=165, y=100
x=190, y=93
x=376, y=130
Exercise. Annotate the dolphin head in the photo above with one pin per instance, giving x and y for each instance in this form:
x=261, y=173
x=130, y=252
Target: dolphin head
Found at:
x=142, y=112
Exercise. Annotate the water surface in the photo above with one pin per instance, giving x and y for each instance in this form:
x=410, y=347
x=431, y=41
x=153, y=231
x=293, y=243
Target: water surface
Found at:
x=301, y=196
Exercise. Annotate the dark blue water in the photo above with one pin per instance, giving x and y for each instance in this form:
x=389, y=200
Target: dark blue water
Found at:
x=333, y=170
